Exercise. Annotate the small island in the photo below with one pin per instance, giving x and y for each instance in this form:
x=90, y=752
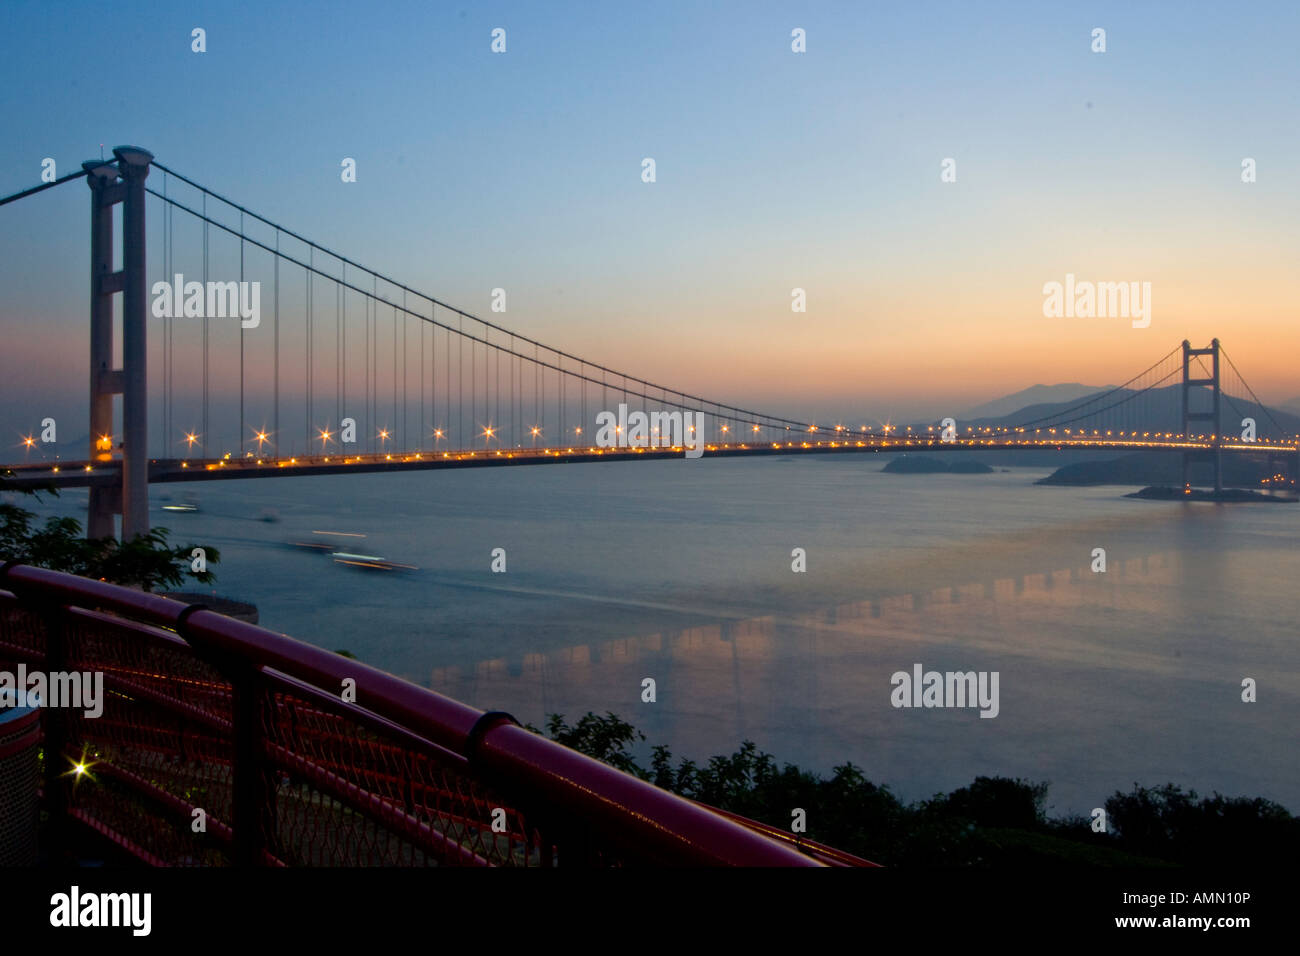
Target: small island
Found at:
x=1162, y=475
x=927, y=465
x=1166, y=493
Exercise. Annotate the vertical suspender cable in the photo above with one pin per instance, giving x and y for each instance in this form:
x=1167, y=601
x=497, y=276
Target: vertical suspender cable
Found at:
x=405, y=326
x=473, y=379
x=446, y=378
x=167, y=325
x=311, y=263
x=241, y=335
x=372, y=384
x=338, y=350
x=166, y=277
x=343, y=341
x=171, y=338
x=394, y=367
x=275, y=420
x=206, y=438
x=420, y=443
x=434, y=427
x=460, y=385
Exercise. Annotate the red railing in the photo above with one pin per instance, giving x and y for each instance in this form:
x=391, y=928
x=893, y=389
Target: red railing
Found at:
x=298, y=756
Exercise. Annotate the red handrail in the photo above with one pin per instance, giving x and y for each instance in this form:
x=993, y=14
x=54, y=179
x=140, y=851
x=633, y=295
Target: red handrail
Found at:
x=587, y=809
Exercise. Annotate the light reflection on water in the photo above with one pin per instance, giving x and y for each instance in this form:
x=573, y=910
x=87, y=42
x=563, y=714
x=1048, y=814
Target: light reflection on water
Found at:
x=680, y=571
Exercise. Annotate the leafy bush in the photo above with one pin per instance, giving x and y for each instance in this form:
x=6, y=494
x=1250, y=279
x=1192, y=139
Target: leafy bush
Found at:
x=1175, y=825
x=147, y=561
x=995, y=821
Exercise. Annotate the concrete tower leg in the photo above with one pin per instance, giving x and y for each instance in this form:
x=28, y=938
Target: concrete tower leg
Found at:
x=110, y=185
x=105, y=500
x=133, y=164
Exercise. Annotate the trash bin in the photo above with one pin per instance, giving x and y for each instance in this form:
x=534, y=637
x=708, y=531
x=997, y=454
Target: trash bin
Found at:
x=20, y=735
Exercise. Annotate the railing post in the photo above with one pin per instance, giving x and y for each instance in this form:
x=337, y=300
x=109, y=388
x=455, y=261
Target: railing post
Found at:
x=253, y=796
x=563, y=843
x=54, y=723
x=577, y=849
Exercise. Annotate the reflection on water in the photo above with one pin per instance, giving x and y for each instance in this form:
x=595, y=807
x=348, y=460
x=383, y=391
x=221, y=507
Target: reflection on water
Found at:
x=680, y=571
x=1096, y=689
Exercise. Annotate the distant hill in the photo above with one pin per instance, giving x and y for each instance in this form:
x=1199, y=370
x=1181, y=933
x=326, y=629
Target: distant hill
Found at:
x=1161, y=410
x=1034, y=395
x=1291, y=405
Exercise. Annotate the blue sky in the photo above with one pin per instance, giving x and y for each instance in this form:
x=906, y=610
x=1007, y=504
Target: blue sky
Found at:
x=775, y=170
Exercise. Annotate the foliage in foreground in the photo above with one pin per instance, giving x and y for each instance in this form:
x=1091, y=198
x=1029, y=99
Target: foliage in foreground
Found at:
x=993, y=821
x=147, y=561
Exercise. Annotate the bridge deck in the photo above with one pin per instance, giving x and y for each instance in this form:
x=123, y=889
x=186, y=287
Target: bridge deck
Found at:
x=83, y=473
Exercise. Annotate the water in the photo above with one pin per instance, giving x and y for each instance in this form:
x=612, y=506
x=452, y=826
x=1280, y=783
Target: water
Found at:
x=681, y=571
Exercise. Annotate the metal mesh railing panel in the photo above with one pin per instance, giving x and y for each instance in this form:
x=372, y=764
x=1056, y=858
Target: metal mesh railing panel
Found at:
x=348, y=791
x=160, y=749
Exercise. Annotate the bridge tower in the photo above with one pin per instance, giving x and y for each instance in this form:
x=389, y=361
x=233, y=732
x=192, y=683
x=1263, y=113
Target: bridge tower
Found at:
x=110, y=185
x=1214, y=453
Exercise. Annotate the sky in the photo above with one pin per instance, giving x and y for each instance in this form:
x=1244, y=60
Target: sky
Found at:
x=775, y=170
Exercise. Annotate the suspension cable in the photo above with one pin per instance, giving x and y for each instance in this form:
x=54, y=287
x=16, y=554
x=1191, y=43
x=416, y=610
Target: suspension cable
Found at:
x=1102, y=395
x=44, y=186
x=1242, y=379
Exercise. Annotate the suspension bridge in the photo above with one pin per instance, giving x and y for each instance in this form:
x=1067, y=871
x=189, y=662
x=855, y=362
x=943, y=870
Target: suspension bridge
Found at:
x=341, y=368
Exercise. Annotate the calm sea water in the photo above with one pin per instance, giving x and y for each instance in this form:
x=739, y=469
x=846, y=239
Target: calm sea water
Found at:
x=681, y=571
